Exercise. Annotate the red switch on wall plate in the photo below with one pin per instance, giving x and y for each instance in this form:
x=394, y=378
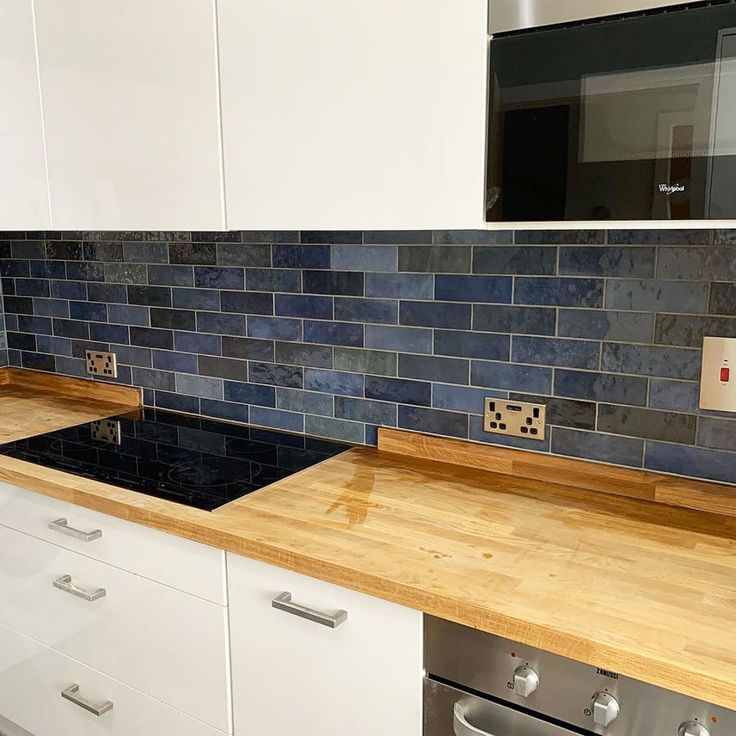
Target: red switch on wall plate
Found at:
x=725, y=375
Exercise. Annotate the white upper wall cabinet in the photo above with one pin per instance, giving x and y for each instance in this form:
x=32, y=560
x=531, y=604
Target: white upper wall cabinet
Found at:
x=24, y=202
x=353, y=114
x=131, y=110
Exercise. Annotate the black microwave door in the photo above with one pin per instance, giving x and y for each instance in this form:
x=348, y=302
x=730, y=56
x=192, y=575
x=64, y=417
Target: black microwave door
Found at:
x=630, y=118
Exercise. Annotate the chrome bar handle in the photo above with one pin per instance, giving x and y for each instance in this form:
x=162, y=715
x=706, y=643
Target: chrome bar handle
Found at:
x=460, y=724
x=62, y=526
x=65, y=583
x=72, y=695
x=283, y=602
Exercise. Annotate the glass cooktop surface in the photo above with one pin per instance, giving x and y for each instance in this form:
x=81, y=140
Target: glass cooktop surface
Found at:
x=198, y=462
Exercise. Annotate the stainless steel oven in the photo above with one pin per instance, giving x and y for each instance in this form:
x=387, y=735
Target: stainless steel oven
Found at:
x=478, y=684
x=611, y=110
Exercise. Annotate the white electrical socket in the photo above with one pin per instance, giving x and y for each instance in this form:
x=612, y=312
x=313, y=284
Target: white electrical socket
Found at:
x=101, y=364
x=718, y=374
x=515, y=418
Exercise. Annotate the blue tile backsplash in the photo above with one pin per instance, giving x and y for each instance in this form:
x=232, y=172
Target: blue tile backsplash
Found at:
x=337, y=333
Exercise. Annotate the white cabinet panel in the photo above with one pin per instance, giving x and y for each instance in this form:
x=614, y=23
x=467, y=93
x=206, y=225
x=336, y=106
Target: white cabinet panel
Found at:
x=170, y=645
x=353, y=114
x=32, y=678
x=294, y=676
x=131, y=111
x=188, y=566
x=24, y=203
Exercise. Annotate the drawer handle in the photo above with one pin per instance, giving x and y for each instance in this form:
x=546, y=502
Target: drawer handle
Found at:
x=283, y=603
x=461, y=726
x=72, y=695
x=62, y=526
x=65, y=583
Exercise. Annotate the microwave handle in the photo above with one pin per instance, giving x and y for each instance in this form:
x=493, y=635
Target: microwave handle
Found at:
x=460, y=724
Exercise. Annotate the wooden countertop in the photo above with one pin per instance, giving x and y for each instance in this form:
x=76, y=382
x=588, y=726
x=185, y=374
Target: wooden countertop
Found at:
x=636, y=587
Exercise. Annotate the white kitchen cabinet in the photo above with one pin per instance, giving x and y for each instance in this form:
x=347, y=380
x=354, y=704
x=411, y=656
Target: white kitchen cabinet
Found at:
x=353, y=114
x=292, y=675
x=24, y=202
x=131, y=112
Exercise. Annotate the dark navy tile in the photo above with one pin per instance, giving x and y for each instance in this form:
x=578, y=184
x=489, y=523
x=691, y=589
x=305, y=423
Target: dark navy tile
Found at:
x=203, y=299
x=219, y=278
x=345, y=283
x=681, y=396
x=64, y=251
x=53, y=345
x=68, y=290
x=301, y=256
x=645, y=360
x=471, y=345
x=50, y=307
x=250, y=393
x=109, y=251
x=275, y=328
x=334, y=333
x=431, y=368
x=14, y=269
x=473, y=237
x=38, y=325
x=237, y=254
x=333, y=382
x=165, y=360
x=170, y=275
x=145, y=252
x=228, y=368
x=358, y=360
x=193, y=254
x=270, y=236
x=304, y=305
x=557, y=352
x=336, y=429
x=31, y=287
x=18, y=305
x=28, y=249
x=305, y=402
x=173, y=319
x=435, y=258
x=71, y=328
x=193, y=342
x=126, y=273
x=563, y=412
x=21, y=341
x=702, y=264
x=248, y=348
x=408, y=339
x=247, y=302
x=435, y=421
x=365, y=410
x=124, y=314
x=517, y=320
x=563, y=292
x=364, y=258
x=85, y=271
x=150, y=296
x=48, y=269
x=397, y=237
x=515, y=260
x=128, y=355
x=313, y=356
x=399, y=390
x=277, y=419
x=109, y=333
x=601, y=447
x=686, y=330
x=216, y=236
x=150, y=338
x=221, y=324
x=88, y=311
x=560, y=237
x=276, y=375
x=435, y=314
x=496, y=289
x=400, y=285
x=634, y=262
x=347, y=237
x=468, y=399
x=177, y=402
x=722, y=299
x=606, y=325
x=653, y=296
x=511, y=377
x=358, y=309
x=692, y=461
x=39, y=362
x=110, y=293
x=224, y=410
x=609, y=387
x=273, y=279
x=659, y=237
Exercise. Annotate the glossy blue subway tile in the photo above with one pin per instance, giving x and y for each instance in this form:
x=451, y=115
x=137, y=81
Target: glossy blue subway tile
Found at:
x=359, y=309
x=109, y=333
x=674, y=395
x=594, y=446
x=635, y=262
x=301, y=256
x=224, y=410
x=250, y=393
x=555, y=352
x=366, y=410
x=434, y=421
x=347, y=334
x=515, y=260
x=203, y=299
x=400, y=285
x=471, y=344
x=276, y=280
x=277, y=419
x=221, y=324
x=194, y=342
x=399, y=390
x=176, y=402
x=67, y=290
x=606, y=325
x=335, y=429
x=304, y=402
x=333, y=382
x=109, y=293
x=511, y=377
x=146, y=337
x=304, y=305
x=494, y=289
x=433, y=368
x=125, y=314
x=272, y=374
x=248, y=348
x=435, y=314
x=694, y=461
x=467, y=399
x=166, y=360
x=219, y=278
x=160, y=275
x=407, y=339
x=646, y=360
x=365, y=258
x=559, y=292
x=247, y=302
x=275, y=328
x=205, y=388
x=657, y=296
x=594, y=386
x=50, y=307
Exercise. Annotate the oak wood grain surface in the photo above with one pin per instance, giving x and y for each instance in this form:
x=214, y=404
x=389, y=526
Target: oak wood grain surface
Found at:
x=644, y=589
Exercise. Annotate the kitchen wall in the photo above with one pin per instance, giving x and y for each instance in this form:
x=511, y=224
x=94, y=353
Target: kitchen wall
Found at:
x=336, y=333
x=3, y=339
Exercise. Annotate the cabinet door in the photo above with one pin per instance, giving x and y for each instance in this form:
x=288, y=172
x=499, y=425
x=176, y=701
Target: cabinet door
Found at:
x=292, y=675
x=24, y=202
x=354, y=114
x=131, y=111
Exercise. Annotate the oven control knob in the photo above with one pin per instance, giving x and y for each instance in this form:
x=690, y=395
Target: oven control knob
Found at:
x=692, y=728
x=605, y=709
x=526, y=681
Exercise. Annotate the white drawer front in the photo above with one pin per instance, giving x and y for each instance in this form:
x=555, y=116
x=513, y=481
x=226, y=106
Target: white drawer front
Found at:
x=32, y=678
x=294, y=676
x=194, y=568
x=170, y=645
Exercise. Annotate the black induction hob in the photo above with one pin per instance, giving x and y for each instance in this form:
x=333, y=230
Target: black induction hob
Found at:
x=197, y=462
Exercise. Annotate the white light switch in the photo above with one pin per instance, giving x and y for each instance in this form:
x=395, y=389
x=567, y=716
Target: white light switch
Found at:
x=718, y=374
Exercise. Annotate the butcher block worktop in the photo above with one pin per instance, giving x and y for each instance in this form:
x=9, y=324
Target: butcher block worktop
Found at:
x=587, y=570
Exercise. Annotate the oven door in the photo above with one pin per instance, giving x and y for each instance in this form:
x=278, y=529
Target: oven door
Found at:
x=621, y=118
x=451, y=712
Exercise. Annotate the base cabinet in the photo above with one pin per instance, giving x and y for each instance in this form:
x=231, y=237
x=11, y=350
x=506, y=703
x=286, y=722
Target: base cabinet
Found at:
x=293, y=674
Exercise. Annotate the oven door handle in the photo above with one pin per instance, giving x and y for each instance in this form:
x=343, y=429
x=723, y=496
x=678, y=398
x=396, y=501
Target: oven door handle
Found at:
x=460, y=724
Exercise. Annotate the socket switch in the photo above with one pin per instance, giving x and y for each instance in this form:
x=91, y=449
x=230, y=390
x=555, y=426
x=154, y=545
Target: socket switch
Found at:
x=515, y=418
x=718, y=374
x=101, y=364
x=105, y=430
